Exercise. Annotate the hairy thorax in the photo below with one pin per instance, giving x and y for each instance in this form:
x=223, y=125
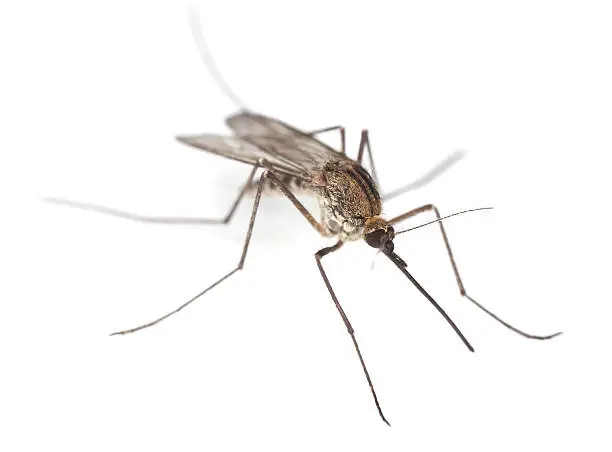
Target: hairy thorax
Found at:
x=348, y=197
x=346, y=192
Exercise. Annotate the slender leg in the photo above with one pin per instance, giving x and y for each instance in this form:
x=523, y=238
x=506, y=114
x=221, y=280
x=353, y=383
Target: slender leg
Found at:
x=364, y=144
x=433, y=173
x=245, y=247
x=431, y=207
x=209, y=62
x=427, y=177
x=423, y=180
x=219, y=281
x=319, y=255
x=157, y=220
x=330, y=129
x=298, y=205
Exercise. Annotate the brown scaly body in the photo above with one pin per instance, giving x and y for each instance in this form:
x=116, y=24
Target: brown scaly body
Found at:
x=295, y=184
x=347, y=194
x=294, y=161
x=291, y=161
x=348, y=198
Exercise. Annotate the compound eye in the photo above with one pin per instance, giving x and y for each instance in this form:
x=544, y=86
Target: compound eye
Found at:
x=374, y=238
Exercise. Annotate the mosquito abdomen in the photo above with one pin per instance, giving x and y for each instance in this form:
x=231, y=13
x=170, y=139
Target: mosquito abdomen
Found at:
x=295, y=184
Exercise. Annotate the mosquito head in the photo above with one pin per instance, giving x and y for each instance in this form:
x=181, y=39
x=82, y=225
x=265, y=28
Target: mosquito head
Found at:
x=379, y=234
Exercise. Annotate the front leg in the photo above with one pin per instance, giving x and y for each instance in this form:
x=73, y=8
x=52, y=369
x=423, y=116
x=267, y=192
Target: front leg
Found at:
x=462, y=291
x=319, y=255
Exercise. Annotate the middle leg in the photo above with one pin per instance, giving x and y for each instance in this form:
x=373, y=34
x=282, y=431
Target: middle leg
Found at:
x=268, y=174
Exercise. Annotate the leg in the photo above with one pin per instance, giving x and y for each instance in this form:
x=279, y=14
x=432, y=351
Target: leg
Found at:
x=209, y=62
x=424, y=180
x=319, y=255
x=330, y=129
x=238, y=267
x=157, y=220
x=363, y=144
x=431, y=207
x=320, y=228
x=245, y=248
x=427, y=177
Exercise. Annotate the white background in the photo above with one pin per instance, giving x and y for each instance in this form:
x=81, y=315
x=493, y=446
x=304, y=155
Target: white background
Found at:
x=91, y=97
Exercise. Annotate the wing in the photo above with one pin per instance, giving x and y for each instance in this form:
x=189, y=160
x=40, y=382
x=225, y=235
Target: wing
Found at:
x=243, y=151
x=282, y=140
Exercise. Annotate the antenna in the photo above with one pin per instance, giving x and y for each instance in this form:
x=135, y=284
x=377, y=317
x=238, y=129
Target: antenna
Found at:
x=443, y=218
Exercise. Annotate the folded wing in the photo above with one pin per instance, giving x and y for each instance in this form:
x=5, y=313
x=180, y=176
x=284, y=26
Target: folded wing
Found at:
x=243, y=151
x=282, y=140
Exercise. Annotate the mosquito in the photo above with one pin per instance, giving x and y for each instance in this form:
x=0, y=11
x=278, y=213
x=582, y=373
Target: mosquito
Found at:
x=351, y=205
